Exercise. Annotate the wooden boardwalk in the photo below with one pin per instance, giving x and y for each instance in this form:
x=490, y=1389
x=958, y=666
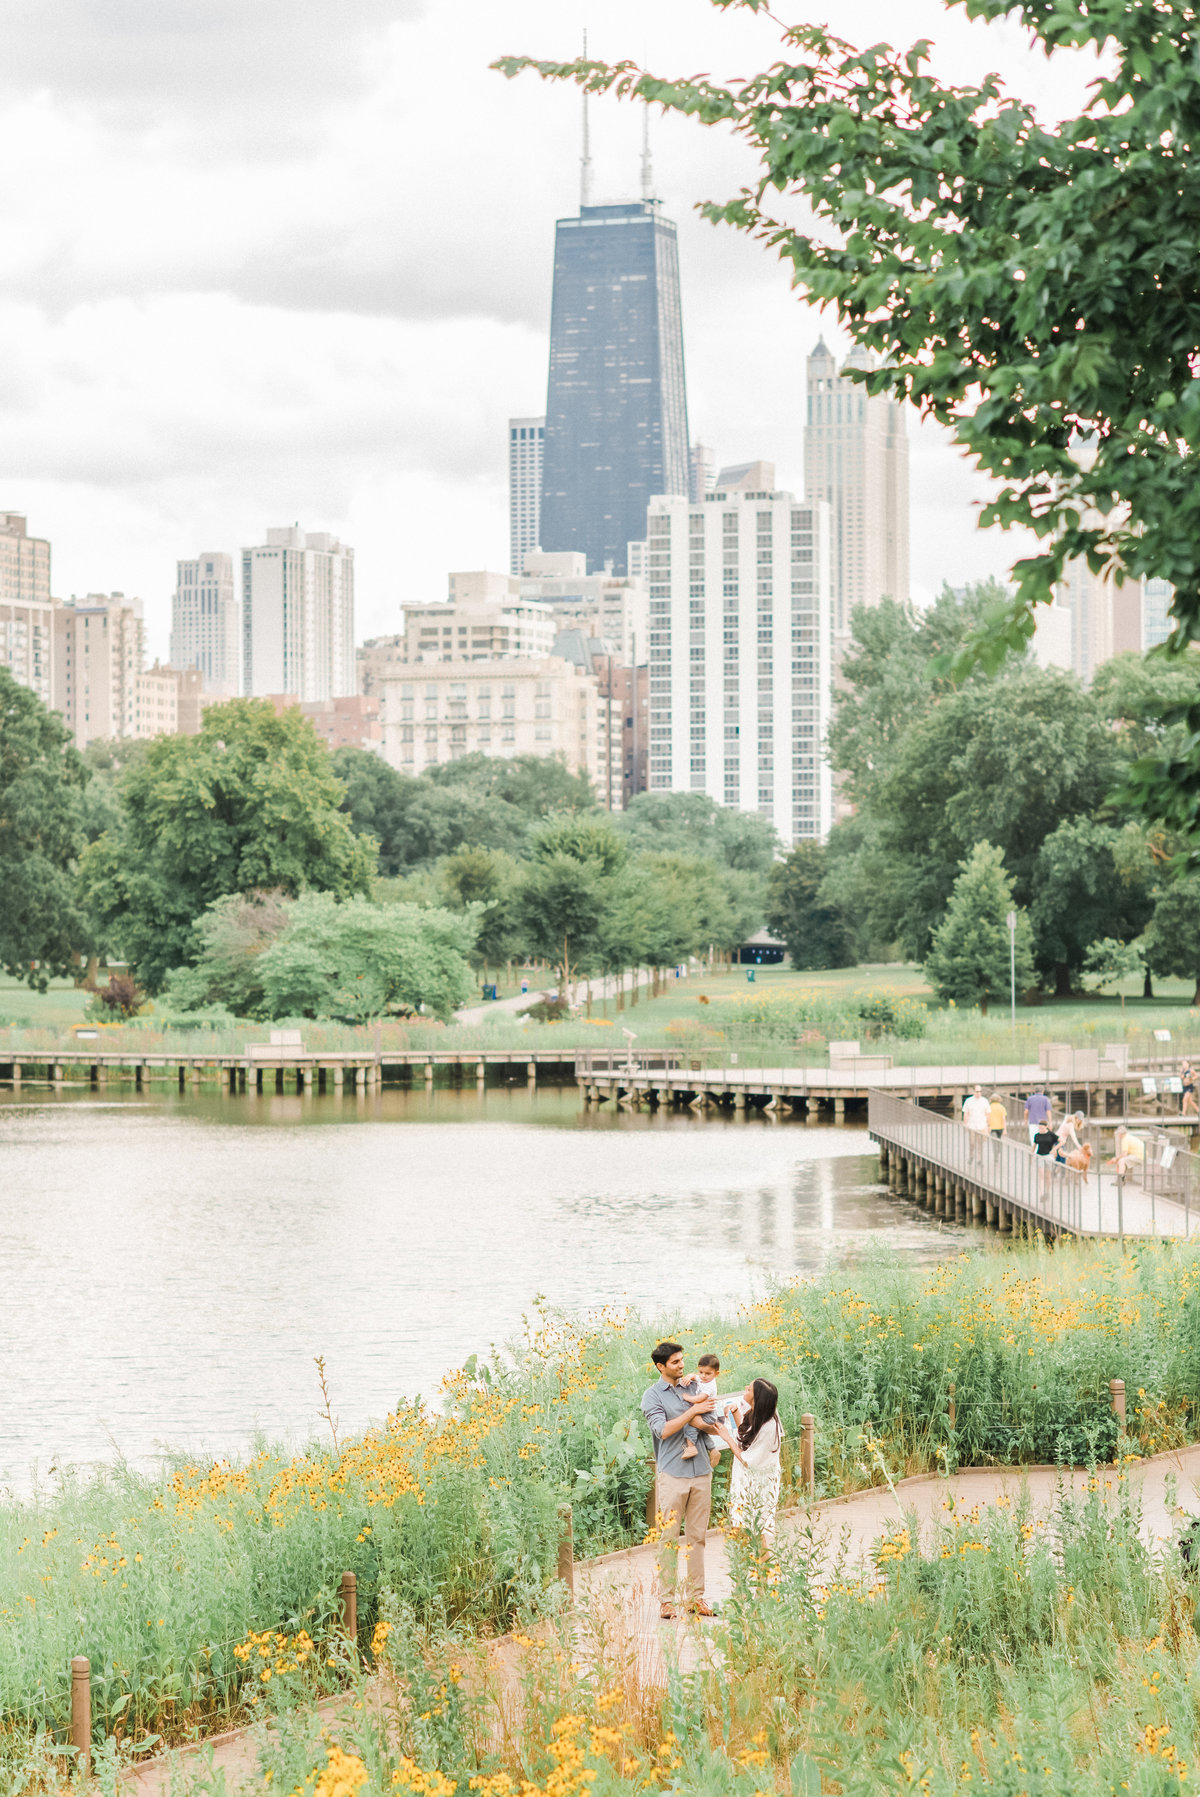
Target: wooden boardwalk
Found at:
x=960, y=1173
x=838, y=1091
x=267, y=1070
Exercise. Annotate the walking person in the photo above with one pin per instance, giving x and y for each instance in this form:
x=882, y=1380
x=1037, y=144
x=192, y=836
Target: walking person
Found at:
x=975, y=1116
x=757, y=1471
x=684, y=1486
x=1037, y=1111
x=1045, y=1147
x=997, y=1123
x=1189, y=1107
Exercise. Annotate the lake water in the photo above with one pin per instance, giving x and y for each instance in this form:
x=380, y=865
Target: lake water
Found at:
x=169, y=1265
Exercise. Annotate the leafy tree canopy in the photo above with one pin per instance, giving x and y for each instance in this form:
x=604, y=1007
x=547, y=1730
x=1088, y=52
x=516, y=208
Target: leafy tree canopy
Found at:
x=1004, y=761
x=691, y=824
x=1172, y=939
x=41, y=832
x=354, y=960
x=813, y=928
x=1030, y=287
x=888, y=677
x=477, y=801
x=251, y=802
x=1091, y=880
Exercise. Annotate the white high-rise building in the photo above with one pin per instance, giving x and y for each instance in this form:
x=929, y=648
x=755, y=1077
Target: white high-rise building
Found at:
x=856, y=459
x=206, y=623
x=298, y=616
x=526, y=443
x=26, y=608
x=741, y=654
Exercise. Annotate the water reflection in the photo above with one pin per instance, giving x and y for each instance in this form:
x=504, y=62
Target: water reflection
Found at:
x=171, y=1264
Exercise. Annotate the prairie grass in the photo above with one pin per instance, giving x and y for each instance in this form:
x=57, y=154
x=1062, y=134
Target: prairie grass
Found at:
x=1026, y=1655
x=450, y=1516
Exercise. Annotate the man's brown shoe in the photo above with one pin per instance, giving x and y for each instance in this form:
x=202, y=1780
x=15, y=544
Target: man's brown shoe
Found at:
x=666, y=1613
x=701, y=1609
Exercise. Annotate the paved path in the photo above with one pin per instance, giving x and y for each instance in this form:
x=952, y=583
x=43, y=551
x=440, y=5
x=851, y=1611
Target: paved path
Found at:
x=605, y=988
x=621, y=1586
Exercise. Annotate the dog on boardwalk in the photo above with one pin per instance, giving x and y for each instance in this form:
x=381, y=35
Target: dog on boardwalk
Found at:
x=1081, y=1159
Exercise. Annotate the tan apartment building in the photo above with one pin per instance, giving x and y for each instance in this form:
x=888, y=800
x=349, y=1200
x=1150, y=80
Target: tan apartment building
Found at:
x=26, y=608
x=102, y=686
x=442, y=711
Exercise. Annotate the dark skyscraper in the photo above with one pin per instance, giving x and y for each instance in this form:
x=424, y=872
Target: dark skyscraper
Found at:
x=616, y=404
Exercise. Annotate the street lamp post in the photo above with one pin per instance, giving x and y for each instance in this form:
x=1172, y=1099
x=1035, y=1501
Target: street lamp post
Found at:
x=1012, y=969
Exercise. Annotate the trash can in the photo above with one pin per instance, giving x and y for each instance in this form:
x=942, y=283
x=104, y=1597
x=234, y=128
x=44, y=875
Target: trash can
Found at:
x=489, y=992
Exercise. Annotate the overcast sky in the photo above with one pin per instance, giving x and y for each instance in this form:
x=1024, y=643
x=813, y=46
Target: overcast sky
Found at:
x=268, y=261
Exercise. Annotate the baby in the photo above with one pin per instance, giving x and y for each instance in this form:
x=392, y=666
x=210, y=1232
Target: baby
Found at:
x=703, y=1384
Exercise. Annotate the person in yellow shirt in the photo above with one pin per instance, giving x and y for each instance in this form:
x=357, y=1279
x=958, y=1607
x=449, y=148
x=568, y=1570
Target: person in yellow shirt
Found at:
x=997, y=1115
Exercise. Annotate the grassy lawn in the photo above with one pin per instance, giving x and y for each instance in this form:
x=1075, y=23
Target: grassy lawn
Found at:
x=731, y=1022
x=58, y=1008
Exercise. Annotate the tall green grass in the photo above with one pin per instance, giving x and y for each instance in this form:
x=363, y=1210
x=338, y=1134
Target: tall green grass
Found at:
x=453, y=1514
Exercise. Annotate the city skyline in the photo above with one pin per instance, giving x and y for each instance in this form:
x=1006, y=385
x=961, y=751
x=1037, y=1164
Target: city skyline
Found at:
x=189, y=370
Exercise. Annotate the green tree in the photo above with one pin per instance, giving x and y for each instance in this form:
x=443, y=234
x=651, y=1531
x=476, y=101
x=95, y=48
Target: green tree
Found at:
x=1025, y=284
x=691, y=824
x=229, y=940
x=813, y=929
x=1108, y=961
x=1003, y=761
x=354, y=961
x=250, y=803
x=377, y=801
x=586, y=837
x=41, y=833
x=1088, y=883
x=489, y=881
x=970, y=958
x=533, y=785
x=563, y=903
x=887, y=677
x=1172, y=939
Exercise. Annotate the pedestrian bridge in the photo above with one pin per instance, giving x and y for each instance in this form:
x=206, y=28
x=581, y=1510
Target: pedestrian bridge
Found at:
x=959, y=1173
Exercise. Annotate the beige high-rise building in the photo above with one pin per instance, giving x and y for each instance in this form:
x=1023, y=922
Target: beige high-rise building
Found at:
x=476, y=629
x=26, y=608
x=856, y=459
x=440, y=711
x=102, y=686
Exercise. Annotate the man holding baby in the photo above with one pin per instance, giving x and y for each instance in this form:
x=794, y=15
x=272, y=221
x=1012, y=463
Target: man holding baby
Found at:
x=680, y=1420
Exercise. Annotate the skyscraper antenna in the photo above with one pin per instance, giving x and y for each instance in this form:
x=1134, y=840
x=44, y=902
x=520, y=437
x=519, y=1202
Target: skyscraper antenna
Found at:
x=585, y=161
x=647, y=170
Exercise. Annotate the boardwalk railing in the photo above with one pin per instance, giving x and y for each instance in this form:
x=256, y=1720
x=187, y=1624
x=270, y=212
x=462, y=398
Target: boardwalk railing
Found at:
x=1005, y=1170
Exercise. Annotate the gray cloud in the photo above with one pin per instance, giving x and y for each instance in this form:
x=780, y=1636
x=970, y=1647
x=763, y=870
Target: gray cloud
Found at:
x=143, y=61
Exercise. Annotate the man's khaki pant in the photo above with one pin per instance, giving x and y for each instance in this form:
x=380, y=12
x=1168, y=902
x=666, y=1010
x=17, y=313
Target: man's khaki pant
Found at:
x=686, y=1502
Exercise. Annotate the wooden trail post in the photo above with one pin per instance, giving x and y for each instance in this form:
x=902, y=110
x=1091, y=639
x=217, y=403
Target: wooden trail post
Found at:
x=566, y=1548
x=348, y=1602
x=1116, y=1392
x=952, y=1407
x=808, y=1430
x=81, y=1712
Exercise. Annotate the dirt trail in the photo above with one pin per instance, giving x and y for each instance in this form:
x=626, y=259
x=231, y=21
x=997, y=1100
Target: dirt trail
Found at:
x=624, y=1584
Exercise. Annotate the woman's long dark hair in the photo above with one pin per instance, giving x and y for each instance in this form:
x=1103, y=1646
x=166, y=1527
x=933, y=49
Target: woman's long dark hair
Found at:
x=766, y=1403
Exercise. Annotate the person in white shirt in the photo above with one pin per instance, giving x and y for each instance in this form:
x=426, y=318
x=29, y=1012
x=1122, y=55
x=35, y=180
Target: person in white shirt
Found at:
x=757, y=1470
x=975, y=1116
